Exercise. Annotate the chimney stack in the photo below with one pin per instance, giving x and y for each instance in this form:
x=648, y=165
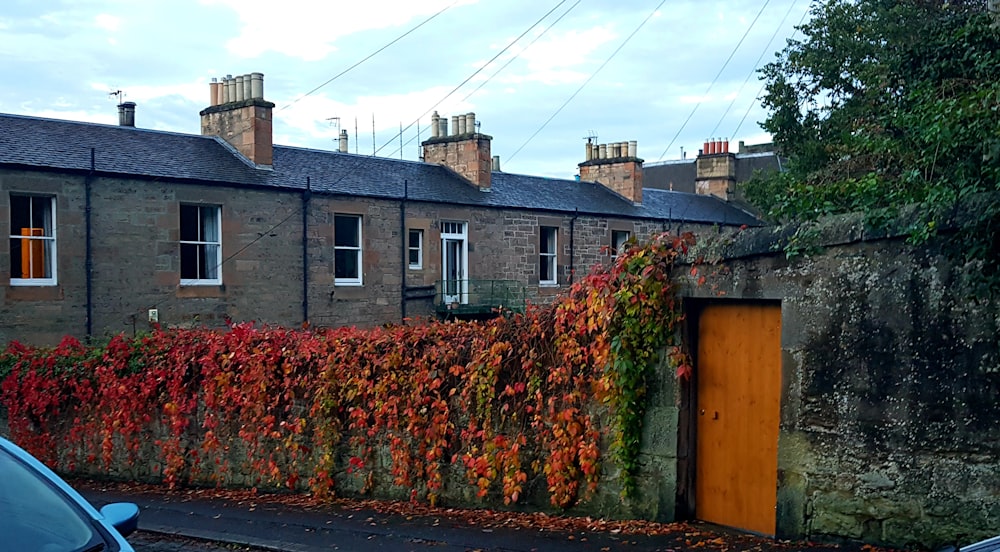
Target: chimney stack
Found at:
x=126, y=114
x=715, y=170
x=467, y=152
x=616, y=167
x=239, y=114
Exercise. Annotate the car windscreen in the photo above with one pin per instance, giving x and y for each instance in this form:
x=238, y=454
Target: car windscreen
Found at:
x=34, y=516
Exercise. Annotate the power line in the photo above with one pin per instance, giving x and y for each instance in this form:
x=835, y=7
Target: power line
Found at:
x=719, y=74
x=590, y=78
x=350, y=170
x=759, y=92
x=526, y=48
x=511, y=60
x=756, y=65
x=369, y=56
x=476, y=72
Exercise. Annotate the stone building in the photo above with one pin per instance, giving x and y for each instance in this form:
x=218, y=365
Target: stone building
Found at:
x=716, y=170
x=115, y=228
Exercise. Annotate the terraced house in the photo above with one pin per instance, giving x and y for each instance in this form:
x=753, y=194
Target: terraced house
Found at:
x=113, y=228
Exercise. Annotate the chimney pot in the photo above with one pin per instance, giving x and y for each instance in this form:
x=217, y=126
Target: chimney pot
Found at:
x=343, y=141
x=247, y=87
x=470, y=122
x=257, y=86
x=435, y=125
x=213, y=92
x=239, y=89
x=462, y=126
x=126, y=114
x=633, y=148
x=496, y=163
x=454, y=124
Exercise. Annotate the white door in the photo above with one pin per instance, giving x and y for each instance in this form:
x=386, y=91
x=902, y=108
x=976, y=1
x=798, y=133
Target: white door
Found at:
x=454, y=264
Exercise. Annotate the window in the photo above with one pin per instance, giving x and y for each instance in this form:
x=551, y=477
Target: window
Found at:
x=618, y=240
x=547, y=255
x=32, y=240
x=347, y=250
x=416, y=249
x=201, y=245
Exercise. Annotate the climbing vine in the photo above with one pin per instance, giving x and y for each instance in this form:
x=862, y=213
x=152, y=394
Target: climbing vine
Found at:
x=515, y=407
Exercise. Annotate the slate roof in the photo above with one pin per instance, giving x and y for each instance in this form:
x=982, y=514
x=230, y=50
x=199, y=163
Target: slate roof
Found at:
x=32, y=142
x=678, y=175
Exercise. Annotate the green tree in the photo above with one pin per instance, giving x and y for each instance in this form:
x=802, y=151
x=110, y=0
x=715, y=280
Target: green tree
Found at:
x=883, y=103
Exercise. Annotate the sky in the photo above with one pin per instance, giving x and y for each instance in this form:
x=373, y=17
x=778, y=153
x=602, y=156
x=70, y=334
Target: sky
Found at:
x=541, y=75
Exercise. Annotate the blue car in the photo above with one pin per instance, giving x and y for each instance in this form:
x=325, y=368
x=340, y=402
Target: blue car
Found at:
x=39, y=512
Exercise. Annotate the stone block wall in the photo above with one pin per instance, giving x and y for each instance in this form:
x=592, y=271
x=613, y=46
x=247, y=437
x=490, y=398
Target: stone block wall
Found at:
x=890, y=424
x=46, y=314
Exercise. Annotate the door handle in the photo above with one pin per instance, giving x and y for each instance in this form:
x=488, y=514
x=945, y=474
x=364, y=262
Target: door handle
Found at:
x=715, y=413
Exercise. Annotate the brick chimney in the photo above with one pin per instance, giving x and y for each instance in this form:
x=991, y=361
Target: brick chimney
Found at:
x=465, y=151
x=615, y=166
x=239, y=115
x=715, y=170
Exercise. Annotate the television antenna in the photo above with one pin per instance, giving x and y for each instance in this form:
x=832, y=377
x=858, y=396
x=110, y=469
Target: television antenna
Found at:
x=119, y=93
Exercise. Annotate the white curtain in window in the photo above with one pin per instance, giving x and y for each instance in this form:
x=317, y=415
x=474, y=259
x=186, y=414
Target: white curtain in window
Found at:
x=210, y=235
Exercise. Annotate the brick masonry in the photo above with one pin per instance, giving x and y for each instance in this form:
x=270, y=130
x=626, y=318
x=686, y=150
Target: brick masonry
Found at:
x=622, y=175
x=136, y=257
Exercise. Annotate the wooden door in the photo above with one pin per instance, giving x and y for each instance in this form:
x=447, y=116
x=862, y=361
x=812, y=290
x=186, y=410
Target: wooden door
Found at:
x=737, y=413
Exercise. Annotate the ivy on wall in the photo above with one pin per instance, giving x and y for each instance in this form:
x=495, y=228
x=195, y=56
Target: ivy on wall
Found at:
x=511, y=404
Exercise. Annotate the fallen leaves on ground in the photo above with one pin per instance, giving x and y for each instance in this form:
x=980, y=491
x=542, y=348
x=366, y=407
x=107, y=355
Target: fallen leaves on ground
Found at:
x=696, y=536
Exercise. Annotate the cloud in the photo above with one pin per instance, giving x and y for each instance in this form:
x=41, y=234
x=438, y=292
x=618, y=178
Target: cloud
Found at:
x=108, y=22
x=309, y=30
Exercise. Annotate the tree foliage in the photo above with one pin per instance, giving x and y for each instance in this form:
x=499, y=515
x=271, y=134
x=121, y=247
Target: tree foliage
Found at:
x=884, y=103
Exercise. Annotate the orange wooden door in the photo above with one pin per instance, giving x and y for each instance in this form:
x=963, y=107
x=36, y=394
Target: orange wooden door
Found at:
x=739, y=405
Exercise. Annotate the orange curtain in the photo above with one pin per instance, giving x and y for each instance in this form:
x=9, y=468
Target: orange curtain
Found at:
x=32, y=254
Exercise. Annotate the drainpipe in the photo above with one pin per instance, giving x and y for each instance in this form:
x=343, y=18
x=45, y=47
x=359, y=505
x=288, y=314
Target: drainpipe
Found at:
x=572, y=226
x=306, y=195
x=406, y=252
x=88, y=252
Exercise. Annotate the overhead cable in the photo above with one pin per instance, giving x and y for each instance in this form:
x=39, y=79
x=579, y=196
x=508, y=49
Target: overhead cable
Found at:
x=753, y=69
x=369, y=56
x=586, y=82
x=719, y=74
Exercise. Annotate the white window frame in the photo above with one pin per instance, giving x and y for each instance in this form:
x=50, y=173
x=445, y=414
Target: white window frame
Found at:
x=455, y=239
x=616, y=246
x=46, y=240
x=357, y=250
x=419, y=249
x=205, y=240
x=549, y=258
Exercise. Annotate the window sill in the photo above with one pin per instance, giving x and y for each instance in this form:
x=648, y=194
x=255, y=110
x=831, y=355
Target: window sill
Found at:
x=37, y=282
x=548, y=284
x=186, y=291
x=26, y=292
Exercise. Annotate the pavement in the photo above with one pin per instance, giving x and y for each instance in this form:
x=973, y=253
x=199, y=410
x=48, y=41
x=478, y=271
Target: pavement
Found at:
x=262, y=523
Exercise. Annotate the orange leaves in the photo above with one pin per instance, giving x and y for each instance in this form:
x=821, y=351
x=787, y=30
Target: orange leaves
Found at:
x=397, y=405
